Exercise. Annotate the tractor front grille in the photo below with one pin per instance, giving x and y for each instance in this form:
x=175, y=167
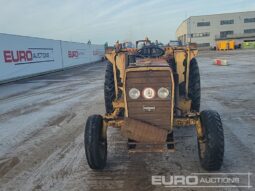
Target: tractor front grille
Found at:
x=155, y=111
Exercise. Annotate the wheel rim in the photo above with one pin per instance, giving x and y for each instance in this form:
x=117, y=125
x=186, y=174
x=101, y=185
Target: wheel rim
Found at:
x=202, y=148
x=202, y=144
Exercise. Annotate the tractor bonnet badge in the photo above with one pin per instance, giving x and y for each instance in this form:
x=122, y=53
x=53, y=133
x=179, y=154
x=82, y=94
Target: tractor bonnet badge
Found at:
x=149, y=108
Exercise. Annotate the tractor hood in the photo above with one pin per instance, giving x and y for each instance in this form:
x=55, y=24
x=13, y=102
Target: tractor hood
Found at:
x=150, y=62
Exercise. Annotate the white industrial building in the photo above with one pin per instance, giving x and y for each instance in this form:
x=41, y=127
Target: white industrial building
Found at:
x=205, y=30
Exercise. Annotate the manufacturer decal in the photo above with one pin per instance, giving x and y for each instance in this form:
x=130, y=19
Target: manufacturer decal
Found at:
x=149, y=108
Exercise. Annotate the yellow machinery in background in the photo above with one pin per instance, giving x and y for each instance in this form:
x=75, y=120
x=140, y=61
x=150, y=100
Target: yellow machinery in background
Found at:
x=225, y=45
x=222, y=45
x=231, y=45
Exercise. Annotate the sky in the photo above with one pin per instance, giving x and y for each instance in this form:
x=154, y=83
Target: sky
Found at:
x=107, y=20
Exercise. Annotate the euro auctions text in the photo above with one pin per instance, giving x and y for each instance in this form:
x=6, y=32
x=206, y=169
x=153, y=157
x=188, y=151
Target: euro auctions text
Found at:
x=213, y=180
x=28, y=56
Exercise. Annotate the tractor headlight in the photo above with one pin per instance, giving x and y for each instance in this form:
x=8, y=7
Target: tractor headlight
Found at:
x=163, y=93
x=148, y=93
x=134, y=93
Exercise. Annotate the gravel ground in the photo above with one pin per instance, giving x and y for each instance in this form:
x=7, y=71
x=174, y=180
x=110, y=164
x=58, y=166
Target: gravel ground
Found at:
x=42, y=123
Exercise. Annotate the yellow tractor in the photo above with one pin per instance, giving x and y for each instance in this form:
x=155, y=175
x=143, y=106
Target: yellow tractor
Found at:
x=149, y=90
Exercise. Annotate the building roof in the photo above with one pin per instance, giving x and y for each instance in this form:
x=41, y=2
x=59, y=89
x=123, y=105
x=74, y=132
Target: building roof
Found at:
x=213, y=15
x=222, y=14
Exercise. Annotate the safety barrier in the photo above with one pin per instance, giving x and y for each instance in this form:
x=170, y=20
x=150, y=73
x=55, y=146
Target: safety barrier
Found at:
x=22, y=56
x=220, y=62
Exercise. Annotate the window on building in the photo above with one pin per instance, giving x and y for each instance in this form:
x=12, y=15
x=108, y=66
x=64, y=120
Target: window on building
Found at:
x=195, y=35
x=224, y=34
x=249, y=20
x=227, y=22
x=203, y=24
x=247, y=31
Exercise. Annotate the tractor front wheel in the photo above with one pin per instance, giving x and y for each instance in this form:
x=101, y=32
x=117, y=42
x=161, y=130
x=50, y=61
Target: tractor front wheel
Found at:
x=211, y=146
x=95, y=143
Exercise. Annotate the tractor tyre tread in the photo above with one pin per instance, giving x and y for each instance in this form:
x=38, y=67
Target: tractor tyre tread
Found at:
x=214, y=140
x=194, y=85
x=92, y=141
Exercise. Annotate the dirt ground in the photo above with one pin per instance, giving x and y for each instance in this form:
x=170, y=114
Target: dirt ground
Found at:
x=42, y=123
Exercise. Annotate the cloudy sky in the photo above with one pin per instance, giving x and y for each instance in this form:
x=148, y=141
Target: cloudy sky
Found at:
x=107, y=20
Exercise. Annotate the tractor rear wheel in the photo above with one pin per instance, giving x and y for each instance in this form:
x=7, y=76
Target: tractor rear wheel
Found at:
x=194, y=85
x=109, y=88
x=211, y=147
x=95, y=143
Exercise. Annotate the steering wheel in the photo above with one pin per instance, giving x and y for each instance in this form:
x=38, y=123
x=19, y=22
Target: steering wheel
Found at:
x=150, y=51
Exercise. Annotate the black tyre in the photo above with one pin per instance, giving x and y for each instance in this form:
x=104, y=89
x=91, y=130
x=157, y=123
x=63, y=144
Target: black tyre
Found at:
x=194, y=85
x=95, y=144
x=211, y=148
x=109, y=88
